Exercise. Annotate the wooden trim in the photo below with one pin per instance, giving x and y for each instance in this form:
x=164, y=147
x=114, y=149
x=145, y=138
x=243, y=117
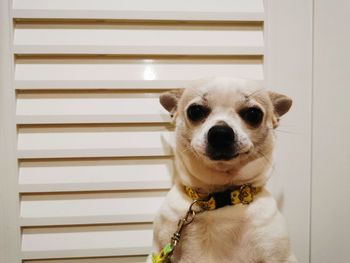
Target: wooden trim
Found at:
x=288, y=70
x=9, y=198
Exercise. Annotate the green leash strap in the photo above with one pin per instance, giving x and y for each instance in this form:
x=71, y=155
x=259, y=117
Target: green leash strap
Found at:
x=164, y=256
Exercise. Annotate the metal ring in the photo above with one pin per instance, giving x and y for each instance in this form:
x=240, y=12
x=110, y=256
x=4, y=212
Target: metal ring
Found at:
x=191, y=213
x=189, y=217
x=192, y=204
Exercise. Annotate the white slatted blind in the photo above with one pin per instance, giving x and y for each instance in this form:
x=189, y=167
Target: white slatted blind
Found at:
x=94, y=145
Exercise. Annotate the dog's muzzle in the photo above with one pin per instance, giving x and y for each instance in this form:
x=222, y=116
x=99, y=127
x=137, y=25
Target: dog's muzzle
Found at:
x=221, y=141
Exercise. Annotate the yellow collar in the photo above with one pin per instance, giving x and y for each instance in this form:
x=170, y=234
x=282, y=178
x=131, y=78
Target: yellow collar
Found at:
x=243, y=194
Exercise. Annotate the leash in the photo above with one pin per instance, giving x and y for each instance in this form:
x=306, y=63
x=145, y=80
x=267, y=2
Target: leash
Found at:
x=166, y=253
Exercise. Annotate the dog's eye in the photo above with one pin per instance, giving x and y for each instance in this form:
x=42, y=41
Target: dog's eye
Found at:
x=197, y=112
x=252, y=116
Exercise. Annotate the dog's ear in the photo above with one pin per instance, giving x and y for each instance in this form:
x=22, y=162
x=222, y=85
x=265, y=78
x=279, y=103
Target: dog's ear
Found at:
x=170, y=99
x=281, y=105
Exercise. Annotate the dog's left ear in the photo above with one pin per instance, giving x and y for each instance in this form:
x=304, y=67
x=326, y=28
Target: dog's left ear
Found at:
x=281, y=104
x=170, y=99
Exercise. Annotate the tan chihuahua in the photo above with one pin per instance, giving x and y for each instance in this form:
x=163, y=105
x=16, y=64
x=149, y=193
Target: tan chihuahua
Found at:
x=218, y=209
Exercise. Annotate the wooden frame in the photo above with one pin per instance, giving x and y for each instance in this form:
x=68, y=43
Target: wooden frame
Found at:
x=288, y=69
x=9, y=198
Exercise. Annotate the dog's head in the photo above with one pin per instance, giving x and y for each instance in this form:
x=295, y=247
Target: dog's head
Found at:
x=224, y=129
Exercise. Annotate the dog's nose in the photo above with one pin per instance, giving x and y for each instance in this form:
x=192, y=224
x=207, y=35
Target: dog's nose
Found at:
x=221, y=136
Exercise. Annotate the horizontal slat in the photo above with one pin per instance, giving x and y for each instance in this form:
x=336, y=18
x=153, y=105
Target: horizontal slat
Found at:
x=98, y=141
x=136, y=259
x=114, y=40
x=86, y=241
x=128, y=73
x=97, y=84
x=94, y=174
x=41, y=119
x=196, y=50
x=143, y=15
x=135, y=9
x=91, y=208
x=162, y=50
x=95, y=107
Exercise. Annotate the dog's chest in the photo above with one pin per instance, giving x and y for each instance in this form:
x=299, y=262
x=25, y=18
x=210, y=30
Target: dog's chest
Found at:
x=216, y=236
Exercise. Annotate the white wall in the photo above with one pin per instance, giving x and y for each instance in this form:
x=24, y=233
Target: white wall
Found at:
x=330, y=225
x=289, y=71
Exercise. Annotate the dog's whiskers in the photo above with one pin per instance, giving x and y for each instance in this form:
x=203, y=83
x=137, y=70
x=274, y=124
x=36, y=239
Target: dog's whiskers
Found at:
x=190, y=149
x=186, y=150
x=284, y=131
x=261, y=154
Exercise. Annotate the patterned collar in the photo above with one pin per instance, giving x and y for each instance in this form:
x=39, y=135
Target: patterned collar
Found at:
x=243, y=194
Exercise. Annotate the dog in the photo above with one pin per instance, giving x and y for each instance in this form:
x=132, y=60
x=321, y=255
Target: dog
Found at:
x=218, y=209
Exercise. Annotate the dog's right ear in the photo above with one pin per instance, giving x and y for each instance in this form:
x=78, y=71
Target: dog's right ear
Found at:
x=170, y=99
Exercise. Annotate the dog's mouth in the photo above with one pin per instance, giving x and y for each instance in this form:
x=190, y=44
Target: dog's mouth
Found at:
x=226, y=155
x=222, y=156
x=222, y=161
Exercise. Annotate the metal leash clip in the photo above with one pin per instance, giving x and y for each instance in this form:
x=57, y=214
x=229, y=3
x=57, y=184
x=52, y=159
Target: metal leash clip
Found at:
x=186, y=220
x=165, y=254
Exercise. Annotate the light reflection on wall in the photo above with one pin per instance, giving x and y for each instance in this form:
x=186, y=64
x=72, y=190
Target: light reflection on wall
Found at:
x=149, y=73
